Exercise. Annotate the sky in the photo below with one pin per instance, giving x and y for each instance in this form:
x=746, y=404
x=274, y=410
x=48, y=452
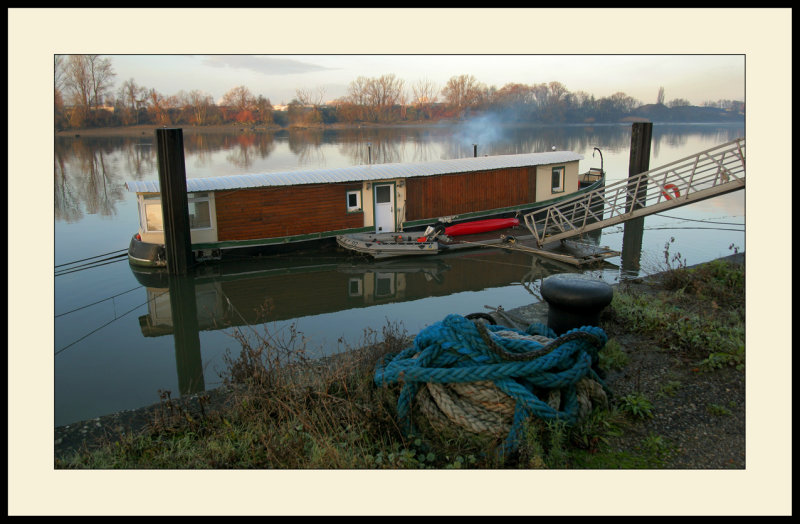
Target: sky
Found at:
x=694, y=77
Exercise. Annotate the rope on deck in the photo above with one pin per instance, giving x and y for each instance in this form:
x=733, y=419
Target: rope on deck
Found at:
x=489, y=379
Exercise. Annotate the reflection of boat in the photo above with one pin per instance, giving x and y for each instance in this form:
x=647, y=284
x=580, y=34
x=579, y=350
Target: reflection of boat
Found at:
x=279, y=211
x=262, y=290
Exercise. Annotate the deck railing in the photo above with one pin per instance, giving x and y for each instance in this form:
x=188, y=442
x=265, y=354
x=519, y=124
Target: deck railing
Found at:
x=707, y=174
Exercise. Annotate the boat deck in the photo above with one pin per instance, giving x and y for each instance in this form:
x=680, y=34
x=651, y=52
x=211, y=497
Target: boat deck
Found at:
x=519, y=239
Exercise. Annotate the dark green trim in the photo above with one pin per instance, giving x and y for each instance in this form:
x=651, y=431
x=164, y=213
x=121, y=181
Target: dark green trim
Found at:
x=279, y=240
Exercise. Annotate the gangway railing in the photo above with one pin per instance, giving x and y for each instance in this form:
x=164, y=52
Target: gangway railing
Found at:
x=707, y=174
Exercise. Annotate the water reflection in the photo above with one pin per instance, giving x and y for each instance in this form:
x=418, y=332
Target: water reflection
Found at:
x=183, y=312
x=270, y=289
x=86, y=177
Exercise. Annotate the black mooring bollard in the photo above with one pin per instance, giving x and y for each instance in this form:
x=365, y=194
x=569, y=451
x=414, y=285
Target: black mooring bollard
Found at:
x=574, y=300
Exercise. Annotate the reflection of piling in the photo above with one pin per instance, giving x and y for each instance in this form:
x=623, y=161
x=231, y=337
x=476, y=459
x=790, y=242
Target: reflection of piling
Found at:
x=632, y=233
x=186, y=332
x=174, y=200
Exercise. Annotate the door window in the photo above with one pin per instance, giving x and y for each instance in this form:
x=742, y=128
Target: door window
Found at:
x=383, y=194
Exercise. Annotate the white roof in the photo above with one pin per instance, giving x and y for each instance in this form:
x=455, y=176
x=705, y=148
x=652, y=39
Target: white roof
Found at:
x=363, y=172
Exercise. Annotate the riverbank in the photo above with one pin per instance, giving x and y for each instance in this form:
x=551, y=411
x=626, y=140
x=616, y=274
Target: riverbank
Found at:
x=679, y=397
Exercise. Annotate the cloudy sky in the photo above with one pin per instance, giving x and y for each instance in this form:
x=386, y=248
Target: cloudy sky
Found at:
x=697, y=78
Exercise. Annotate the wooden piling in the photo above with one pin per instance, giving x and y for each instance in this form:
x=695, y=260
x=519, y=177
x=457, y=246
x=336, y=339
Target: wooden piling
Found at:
x=641, y=136
x=633, y=230
x=174, y=201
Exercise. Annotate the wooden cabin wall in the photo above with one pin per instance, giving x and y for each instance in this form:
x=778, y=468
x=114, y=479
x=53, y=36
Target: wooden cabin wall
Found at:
x=443, y=195
x=284, y=211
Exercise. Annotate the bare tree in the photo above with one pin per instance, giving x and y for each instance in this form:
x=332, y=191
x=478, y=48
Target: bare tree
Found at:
x=463, y=91
x=241, y=102
x=311, y=98
x=89, y=79
x=159, y=105
x=426, y=93
x=375, y=98
x=199, y=103
x=660, y=99
x=240, y=98
x=624, y=103
x=678, y=102
x=132, y=98
x=264, y=109
x=386, y=92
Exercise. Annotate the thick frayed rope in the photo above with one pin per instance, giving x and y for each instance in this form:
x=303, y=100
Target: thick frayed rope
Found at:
x=489, y=379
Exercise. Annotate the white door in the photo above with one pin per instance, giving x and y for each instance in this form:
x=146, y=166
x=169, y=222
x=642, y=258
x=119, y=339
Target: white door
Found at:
x=384, y=208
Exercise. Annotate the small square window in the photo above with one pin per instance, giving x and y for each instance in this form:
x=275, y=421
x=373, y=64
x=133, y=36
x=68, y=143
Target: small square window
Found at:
x=353, y=201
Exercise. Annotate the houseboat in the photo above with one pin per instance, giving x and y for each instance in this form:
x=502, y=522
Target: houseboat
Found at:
x=302, y=209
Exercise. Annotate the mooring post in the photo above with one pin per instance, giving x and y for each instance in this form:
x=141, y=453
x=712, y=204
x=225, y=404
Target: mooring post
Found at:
x=633, y=230
x=174, y=200
x=641, y=136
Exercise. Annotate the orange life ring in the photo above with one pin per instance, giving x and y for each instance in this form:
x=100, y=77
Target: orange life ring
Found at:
x=674, y=190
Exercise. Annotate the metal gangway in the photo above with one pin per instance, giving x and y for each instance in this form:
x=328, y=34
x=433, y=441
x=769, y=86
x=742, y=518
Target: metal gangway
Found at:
x=707, y=174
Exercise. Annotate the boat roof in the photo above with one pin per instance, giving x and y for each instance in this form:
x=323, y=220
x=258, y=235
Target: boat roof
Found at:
x=362, y=172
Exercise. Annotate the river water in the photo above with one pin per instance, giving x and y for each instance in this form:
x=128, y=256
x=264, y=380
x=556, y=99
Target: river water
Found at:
x=117, y=347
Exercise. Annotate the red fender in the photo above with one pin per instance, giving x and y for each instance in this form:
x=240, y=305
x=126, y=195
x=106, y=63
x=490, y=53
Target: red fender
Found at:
x=674, y=190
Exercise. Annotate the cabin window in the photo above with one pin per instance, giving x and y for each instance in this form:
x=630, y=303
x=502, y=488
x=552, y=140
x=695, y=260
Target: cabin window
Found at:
x=558, y=180
x=353, y=201
x=199, y=216
x=154, y=219
x=199, y=212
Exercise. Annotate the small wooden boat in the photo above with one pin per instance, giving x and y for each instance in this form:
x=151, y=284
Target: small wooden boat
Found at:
x=385, y=245
x=433, y=241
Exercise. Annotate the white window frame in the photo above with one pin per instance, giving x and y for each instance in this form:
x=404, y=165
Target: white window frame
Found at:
x=155, y=200
x=561, y=174
x=357, y=208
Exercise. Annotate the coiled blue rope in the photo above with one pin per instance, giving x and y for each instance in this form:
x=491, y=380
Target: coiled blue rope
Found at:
x=454, y=350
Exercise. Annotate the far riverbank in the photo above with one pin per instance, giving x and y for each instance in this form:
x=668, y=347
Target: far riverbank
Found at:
x=148, y=130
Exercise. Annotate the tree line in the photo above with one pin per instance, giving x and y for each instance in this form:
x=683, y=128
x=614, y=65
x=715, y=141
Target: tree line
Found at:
x=85, y=97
